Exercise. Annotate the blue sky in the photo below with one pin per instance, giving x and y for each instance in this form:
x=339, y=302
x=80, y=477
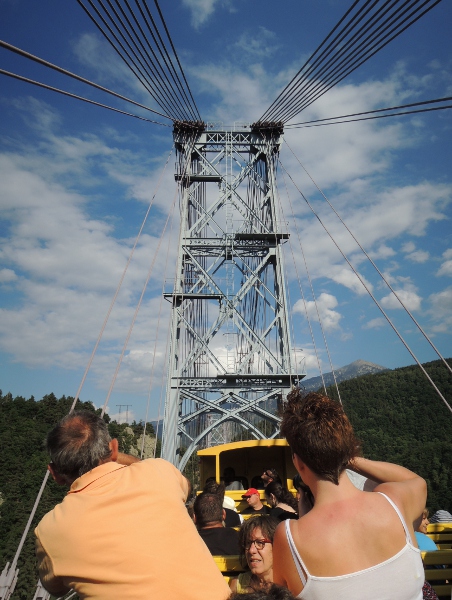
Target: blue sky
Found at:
x=76, y=181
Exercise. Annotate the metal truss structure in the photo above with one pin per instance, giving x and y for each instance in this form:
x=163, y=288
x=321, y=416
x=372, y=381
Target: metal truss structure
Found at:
x=231, y=360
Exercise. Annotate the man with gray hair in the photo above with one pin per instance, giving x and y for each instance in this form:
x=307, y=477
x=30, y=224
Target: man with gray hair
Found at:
x=122, y=531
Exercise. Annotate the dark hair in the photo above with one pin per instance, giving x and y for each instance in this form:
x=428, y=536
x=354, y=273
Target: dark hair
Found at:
x=273, y=474
x=212, y=487
x=265, y=523
x=78, y=444
x=300, y=486
x=319, y=432
x=208, y=508
x=274, y=592
x=281, y=494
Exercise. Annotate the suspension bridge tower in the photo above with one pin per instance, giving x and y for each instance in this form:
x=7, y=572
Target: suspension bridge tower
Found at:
x=231, y=361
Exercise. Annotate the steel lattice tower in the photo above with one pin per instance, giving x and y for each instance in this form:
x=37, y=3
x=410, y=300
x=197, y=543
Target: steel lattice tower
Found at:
x=230, y=355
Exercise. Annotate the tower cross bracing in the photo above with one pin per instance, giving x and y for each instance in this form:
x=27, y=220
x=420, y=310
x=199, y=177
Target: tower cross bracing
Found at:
x=230, y=360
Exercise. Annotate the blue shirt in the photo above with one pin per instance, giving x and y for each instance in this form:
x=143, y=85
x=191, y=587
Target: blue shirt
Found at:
x=424, y=542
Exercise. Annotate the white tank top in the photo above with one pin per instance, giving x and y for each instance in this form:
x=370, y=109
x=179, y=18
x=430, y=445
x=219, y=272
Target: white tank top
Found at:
x=401, y=577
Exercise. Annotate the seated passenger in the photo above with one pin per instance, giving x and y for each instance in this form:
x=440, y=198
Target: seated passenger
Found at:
x=209, y=516
x=283, y=504
x=257, y=482
x=270, y=475
x=230, y=480
x=255, y=506
x=423, y=541
x=352, y=543
x=232, y=517
x=122, y=531
x=441, y=516
x=256, y=548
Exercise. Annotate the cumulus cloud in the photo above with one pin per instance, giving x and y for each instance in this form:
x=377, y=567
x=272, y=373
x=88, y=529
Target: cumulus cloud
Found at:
x=446, y=266
x=201, y=10
x=322, y=310
x=375, y=323
x=7, y=275
x=441, y=311
x=409, y=297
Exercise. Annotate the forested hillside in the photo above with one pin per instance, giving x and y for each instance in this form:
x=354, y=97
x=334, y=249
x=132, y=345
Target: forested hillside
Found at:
x=25, y=424
x=400, y=418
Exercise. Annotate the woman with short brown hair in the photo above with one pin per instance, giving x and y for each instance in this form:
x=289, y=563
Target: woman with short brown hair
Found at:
x=352, y=545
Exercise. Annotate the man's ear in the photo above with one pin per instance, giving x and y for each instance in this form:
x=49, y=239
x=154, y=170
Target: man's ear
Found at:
x=114, y=446
x=56, y=476
x=224, y=515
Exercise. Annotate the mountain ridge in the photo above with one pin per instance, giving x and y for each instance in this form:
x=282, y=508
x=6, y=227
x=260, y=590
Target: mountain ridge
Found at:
x=355, y=369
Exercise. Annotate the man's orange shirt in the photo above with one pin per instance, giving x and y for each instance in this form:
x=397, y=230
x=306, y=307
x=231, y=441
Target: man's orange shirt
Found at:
x=124, y=533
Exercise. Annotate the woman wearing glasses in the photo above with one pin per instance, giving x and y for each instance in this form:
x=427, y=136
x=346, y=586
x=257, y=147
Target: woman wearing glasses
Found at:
x=352, y=544
x=256, y=547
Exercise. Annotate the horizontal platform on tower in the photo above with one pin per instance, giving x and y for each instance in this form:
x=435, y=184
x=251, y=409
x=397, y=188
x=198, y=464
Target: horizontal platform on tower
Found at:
x=195, y=177
x=179, y=297
x=245, y=240
x=238, y=381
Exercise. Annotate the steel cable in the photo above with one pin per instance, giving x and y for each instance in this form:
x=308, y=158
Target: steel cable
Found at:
x=74, y=76
x=340, y=72
x=335, y=58
x=155, y=93
x=54, y=89
x=332, y=120
x=164, y=82
x=160, y=45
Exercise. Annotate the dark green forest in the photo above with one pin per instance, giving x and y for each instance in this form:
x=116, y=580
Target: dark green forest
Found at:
x=396, y=414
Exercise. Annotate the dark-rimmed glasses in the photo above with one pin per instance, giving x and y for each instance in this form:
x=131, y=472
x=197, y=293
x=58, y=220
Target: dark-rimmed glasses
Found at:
x=259, y=544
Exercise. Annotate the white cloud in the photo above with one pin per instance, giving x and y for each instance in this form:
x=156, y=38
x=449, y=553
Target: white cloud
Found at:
x=446, y=267
x=419, y=256
x=408, y=247
x=441, y=311
x=375, y=323
x=323, y=309
x=7, y=275
x=409, y=297
x=201, y=10
x=262, y=45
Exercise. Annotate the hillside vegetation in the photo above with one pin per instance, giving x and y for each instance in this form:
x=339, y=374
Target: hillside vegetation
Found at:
x=400, y=418
x=396, y=414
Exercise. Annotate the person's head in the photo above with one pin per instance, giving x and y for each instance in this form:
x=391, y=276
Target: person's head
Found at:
x=270, y=475
x=275, y=493
x=212, y=487
x=228, y=475
x=319, y=433
x=422, y=527
x=256, y=544
x=252, y=496
x=302, y=490
x=77, y=444
x=273, y=592
x=208, y=510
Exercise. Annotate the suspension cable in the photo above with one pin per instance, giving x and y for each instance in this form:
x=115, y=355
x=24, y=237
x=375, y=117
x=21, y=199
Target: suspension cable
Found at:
x=151, y=378
x=371, y=112
x=136, y=69
x=118, y=288
x=54, y=89
x=73, y=75
x=315, y=302
x=374, y=265
x=363, y=283
x=338, y=58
